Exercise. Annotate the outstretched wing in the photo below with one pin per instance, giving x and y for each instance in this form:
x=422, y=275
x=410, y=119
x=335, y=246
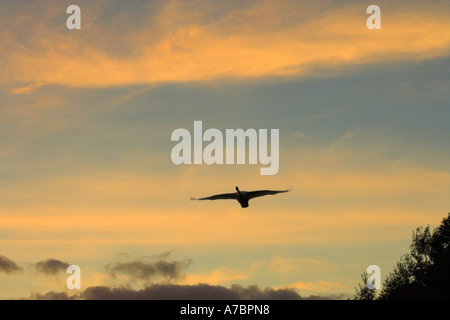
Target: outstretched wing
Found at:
x=260, y=193
x=218, y=197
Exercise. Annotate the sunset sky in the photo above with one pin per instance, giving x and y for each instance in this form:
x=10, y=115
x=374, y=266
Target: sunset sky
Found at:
x=86, y=117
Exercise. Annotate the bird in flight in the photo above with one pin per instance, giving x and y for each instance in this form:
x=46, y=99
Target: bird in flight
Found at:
x=242, y=197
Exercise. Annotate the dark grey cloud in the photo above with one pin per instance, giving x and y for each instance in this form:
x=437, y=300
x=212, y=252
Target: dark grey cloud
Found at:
x=160, y=292
x=8, y=266
x=168, y=270
x=162, y=255
x=53, y=296
x=51, y=266
x=175, y=292
x=139, y=270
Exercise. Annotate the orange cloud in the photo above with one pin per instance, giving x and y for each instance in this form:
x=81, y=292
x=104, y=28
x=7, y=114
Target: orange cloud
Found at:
x=262, y=40
x=25, y=90
x=218, y=276
x=285, y=266
x=320, y=286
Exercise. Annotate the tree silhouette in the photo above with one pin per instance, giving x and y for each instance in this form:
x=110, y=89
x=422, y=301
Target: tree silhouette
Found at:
x=363, y=292
x=424, y=273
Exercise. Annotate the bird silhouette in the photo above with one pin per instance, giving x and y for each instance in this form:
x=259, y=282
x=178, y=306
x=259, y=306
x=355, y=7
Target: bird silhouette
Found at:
x=243, y=197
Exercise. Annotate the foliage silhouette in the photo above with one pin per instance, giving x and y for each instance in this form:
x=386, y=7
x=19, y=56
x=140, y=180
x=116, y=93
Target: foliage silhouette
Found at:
x=423, y=273
x=363, y=292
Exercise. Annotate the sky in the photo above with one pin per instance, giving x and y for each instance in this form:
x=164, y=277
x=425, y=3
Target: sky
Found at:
x=86, y=117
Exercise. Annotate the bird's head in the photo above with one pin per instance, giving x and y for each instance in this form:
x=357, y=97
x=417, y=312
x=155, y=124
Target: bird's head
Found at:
x=237, y=189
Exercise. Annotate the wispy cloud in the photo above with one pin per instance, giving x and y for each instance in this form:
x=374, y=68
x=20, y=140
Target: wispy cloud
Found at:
x=319, y=286
x=215, y=277
x=149, y=271
x=26, y=89
x=9, y=266
x=199, y=41
x=51, y=266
